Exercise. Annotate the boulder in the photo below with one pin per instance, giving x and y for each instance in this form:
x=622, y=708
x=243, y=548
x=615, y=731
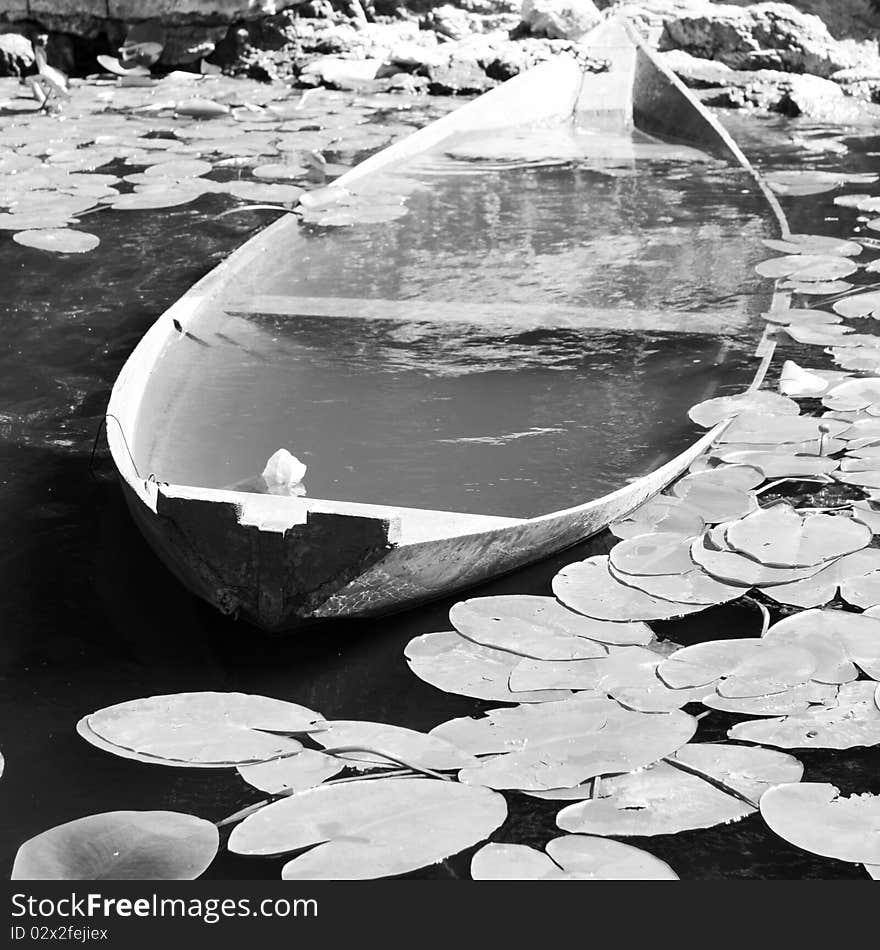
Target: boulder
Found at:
x=695, y=72
x=448, y=20
x=761, y=36
x=559, y=19
x=16, y=54
x=344, y=73
x=458, y=78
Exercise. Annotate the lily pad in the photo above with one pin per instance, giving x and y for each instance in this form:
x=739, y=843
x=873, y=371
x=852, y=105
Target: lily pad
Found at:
x=714, y=498
x=814, y=816
x=58, y=240
x=655, y=553
x=808, y=267
x=569, y=858
x=201, y=109
x=795, y=700
x=737, y=569
x=511, y=728
x=800, y=317
x=120, y=846
x=662, y=514
x=780, y=537
x=712, y=411
x=221, y=729
x=180, y=168
x=589, y=588
x=853, y=722
x=762, y=428
x=456, y=665
x=624, y=666
x=539, y=627
x=416, y=748
x=773, y=669
x=372, y=828
x=820, y=589
x=626, y=742
x=854, y=394
x=780, y=465
x=304, y=770
x=656, y=697
x=815, y=244
x=702, y=664
x=859, y=305
x=796, y=381
x=817, y=631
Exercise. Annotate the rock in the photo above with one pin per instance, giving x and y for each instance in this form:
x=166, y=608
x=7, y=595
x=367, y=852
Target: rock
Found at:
x=810, y=96
x=417, y=56
x=458, y=78
x=344, y=73
x=448, y=21
x=559, y=19
x=188, y=44
x=695, y=72
x=762, y=36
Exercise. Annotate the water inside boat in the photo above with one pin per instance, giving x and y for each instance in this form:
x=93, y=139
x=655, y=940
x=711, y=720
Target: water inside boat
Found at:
x=528, y=335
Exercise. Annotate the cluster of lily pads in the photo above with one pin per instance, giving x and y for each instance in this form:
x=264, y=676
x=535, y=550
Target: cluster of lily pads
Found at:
x=119, y=147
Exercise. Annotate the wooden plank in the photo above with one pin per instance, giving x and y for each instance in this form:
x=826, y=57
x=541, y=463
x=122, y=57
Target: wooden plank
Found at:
x=514, y=315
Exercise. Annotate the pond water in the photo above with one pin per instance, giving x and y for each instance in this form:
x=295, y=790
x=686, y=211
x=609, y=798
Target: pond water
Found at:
x=505, y=347
x=91, y=618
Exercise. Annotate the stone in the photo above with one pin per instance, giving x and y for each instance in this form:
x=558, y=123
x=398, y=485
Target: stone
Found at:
x=347, y=73
x=16, y=54
x=185, y=45
x=448, y=20
x=695, y=72
x=458, y=78
x=761, y=36
x=559, y=19
x=417, y=56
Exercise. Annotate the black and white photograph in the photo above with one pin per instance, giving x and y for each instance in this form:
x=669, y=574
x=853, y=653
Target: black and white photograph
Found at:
x=439, y=441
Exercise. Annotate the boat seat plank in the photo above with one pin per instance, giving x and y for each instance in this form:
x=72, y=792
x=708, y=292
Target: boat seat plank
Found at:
x=514, y=315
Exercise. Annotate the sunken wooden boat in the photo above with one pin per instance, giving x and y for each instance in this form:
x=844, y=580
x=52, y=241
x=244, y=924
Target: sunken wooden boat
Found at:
x=281, y=562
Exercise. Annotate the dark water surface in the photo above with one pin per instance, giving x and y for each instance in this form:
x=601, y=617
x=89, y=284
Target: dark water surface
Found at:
x=90, y=617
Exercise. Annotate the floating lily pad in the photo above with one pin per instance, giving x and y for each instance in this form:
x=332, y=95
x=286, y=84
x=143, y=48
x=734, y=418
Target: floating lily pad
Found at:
x=221, y=729
x=280, y=172
x=180, y=168
x=416, y=748
x=655, y=553
x=795, y=700
x=794, y=380
x=120, y=846
x=737, y=569
x=799, y=317
x=58, y=240
x=702, y=664
x=820, y=288
x=808, y=267
x=712, y=411
x=814, y=816
x=714, y=497
x=662, y=514
x=779, y=465
x=656, y=697
x=859, y=305
x=539, y=627
x=853, y=722
x=456, y=665
x=509, y=729
x=815, y=244
x=826, y=334
x=763, y=428
x=624, y=666
x=821, y=588
x=201, y=109
x=854, y=394
x=626, y=742
x=589, y=588
x=304, y=770
x=780, y=537
x=803, y=182
x=569, y=858
x=164, y=198
x=773, y=669
x=369, y=829
x=817, y=631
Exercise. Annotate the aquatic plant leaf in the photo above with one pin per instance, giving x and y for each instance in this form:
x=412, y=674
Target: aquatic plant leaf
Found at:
x=456, y=665
x=862, y=591
x=280, y=172
x=860, y=635
x=779, y=465
x=800, y=317
x=814, y=816
x=58, y=240
x=795, y=700
x=853, y=722
x=569, y=858
x=865, y=479
x=702, y=664
x=763, y=428
x=662, y=514
x=179, y=168
x=372, y=828
x=780, y=537
x=818, y=632
x=539, y=627
x=821, y=588
x=224, y=729
x=150, y=201
x=624, y=666
x=712, y=411
x=803, y=182
x=655, y=553
x=263, y=191
x=714, y=498
x=815, y=244
x=656, y=697
x=826, y=334
x=628, y=741
x=819, y=288
x=859, y=305
x=808, y=267
x=304, y=770
x=508, y=729
x=416, y=748
x=854, y=394
x=773, y=669
x=667, y=800
x=120, y=846
x=589, y=588
x=690, y=587
x=737, y=569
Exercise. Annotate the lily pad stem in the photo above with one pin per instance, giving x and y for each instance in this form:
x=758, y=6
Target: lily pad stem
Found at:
x=712, y=780
x=339, y=750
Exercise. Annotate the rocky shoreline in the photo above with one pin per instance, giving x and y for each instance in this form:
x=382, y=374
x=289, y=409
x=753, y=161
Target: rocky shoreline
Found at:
x=769, y=57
